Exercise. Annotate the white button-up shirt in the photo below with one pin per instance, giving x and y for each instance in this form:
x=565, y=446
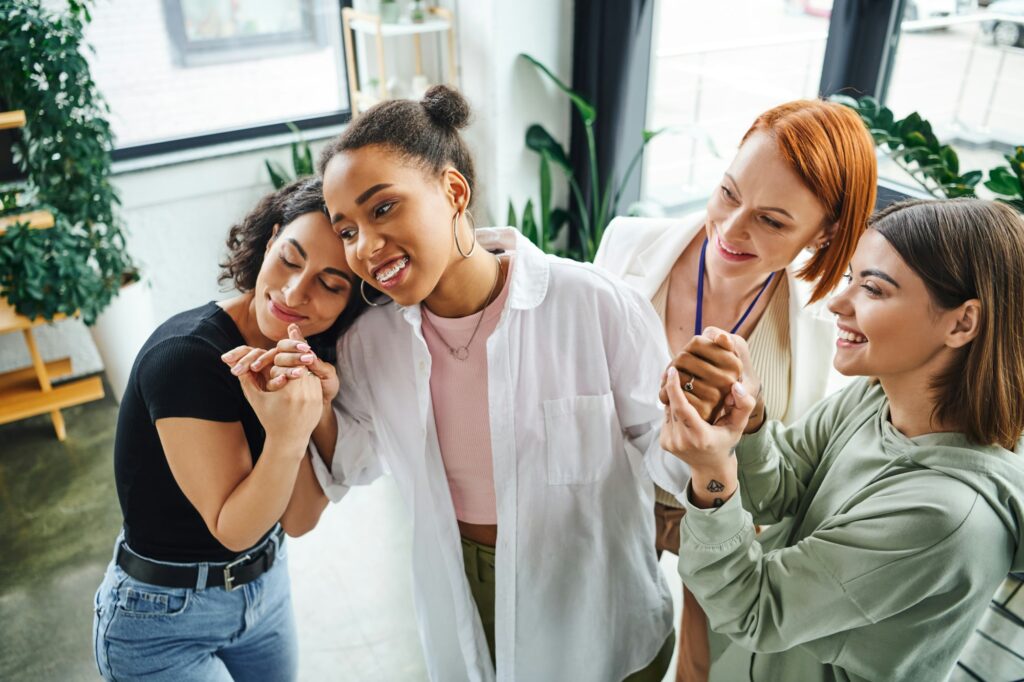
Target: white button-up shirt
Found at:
x=574, y=368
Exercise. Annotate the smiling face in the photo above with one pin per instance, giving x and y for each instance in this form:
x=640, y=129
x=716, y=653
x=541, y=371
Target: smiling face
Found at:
x=762, y=214
x=304, y=279
x=888, y=324
x=394, y=219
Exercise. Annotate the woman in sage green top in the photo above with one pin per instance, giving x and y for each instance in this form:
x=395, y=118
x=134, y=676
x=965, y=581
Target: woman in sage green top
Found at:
x=897, y=503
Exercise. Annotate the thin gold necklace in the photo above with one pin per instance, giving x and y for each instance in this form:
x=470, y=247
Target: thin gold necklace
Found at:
x=462, y=352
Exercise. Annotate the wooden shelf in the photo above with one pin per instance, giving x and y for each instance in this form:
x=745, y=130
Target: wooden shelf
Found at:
x=439, y=21
x=29, y=392
x=408, y=28
x=23, y=399
x=12, y=380
x=11, y=321
x=37, y=220
x=12, y=119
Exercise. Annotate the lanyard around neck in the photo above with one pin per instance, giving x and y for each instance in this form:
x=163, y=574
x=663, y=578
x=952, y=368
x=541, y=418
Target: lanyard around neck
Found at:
x=698, y=327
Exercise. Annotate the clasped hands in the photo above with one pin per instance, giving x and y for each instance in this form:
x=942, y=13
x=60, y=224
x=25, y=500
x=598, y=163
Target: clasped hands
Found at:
x=279, y=384
x=711, y=398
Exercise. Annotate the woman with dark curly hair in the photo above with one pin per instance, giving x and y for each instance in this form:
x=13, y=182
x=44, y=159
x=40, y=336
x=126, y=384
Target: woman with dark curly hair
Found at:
x=211, y=469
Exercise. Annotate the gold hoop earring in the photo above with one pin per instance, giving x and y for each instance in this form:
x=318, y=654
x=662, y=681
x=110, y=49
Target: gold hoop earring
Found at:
x=362, y=292
x=455, y=235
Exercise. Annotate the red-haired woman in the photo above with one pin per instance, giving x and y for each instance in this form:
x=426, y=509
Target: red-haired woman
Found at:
x=804, y=179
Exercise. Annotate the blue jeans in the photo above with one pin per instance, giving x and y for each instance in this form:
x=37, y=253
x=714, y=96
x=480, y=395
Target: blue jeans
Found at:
x=143, y=631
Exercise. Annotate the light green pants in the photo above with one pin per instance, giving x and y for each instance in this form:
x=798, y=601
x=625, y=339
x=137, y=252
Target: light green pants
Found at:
x=479, y=564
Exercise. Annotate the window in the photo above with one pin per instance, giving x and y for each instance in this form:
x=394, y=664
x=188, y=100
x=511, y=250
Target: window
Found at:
x=183, y=73
x=716, y=66
x=211, y=31
x=962, y=70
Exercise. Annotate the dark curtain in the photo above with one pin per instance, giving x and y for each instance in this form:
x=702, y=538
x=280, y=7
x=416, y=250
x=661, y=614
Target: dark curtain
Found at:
x=610, y=67
x=862, y=38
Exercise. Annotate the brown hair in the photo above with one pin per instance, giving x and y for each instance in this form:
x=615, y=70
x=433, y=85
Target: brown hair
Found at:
x=964, y=249
x=426, y=132
x=827, y=145
x=247, y=244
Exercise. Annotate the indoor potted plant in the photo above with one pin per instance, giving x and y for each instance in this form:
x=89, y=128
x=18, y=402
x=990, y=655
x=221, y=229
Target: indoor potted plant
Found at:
x=81, y=264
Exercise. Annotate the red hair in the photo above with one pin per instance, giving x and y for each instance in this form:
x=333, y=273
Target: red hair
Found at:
x=827, y=145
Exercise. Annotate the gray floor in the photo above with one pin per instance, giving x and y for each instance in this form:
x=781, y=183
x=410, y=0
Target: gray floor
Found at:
x=58, y=519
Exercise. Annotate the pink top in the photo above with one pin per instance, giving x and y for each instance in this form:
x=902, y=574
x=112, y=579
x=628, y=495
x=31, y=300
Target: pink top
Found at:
x=458, y=389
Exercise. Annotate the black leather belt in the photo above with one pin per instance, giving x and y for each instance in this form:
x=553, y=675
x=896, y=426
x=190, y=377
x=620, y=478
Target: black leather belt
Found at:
x=229, y=575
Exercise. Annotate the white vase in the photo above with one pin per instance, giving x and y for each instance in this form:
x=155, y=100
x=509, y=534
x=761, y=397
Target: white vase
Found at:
x=121, y=330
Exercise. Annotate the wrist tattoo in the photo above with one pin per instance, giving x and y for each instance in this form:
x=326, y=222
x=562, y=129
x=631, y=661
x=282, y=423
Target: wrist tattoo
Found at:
x=715, y=486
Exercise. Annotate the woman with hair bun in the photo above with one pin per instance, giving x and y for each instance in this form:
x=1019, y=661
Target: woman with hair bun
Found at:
x=210, y=468
x=514, y=397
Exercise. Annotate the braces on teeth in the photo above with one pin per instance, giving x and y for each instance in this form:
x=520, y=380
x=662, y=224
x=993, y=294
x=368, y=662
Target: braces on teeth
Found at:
x=385, y=275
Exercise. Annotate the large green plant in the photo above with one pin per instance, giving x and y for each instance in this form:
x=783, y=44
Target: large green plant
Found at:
x=80, y=263
x=912, y=145
x=591, y=215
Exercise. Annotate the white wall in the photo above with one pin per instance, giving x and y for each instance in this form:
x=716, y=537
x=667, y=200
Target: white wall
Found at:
x=508, y=94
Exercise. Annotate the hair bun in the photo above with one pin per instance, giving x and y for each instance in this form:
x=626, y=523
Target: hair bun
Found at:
x=446, y=107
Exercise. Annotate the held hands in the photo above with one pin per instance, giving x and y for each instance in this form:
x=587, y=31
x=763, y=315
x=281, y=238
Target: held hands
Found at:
x=291, y=358
x=685, y=434
x=287, y=389
x=708, y=367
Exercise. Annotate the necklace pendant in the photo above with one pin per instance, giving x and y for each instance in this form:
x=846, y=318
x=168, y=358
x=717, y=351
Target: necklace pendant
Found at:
x=460, y=353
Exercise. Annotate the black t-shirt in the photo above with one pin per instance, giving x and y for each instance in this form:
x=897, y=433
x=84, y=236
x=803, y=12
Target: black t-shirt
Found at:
x=178, y=373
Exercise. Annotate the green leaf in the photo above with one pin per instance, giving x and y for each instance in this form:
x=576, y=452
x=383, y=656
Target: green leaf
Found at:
x=559, y=218
x=278, y=175
x=916, y=140
x=950, y=158
x=529, y=223
x=971, y=179
x=909, y=125
x=540, y=140
x=545, y=202
x=583, y=106
x=649, y=135
x=869, y=106
x=1002, y=181
x=884, y=120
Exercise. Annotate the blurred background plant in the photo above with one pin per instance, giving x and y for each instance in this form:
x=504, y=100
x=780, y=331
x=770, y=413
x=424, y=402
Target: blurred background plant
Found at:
x=80, y=264
x=302, y=162
x=542, y=223
x=912, y=146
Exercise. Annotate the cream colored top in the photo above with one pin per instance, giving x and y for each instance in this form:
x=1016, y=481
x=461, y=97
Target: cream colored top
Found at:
x=769, y=353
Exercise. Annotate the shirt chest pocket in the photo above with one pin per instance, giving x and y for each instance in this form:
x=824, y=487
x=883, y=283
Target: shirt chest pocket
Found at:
x=583, y=438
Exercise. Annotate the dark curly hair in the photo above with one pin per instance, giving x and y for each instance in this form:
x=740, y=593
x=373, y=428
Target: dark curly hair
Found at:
x=426, y=132
x=247, y=244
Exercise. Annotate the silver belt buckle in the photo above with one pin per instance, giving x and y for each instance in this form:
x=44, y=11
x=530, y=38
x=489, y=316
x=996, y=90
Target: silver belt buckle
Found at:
x=229, y=581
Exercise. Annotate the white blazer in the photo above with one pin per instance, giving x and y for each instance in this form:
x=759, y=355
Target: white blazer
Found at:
x=642, y=251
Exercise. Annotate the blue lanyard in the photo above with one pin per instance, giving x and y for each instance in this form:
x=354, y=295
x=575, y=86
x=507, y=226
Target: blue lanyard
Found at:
x=698, y=328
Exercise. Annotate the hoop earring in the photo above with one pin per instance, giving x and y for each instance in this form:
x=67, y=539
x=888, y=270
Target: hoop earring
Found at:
x=362, y=292
x=455, y=235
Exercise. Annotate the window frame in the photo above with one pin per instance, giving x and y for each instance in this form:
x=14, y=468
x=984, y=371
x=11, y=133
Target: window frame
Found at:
x=248, y=132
